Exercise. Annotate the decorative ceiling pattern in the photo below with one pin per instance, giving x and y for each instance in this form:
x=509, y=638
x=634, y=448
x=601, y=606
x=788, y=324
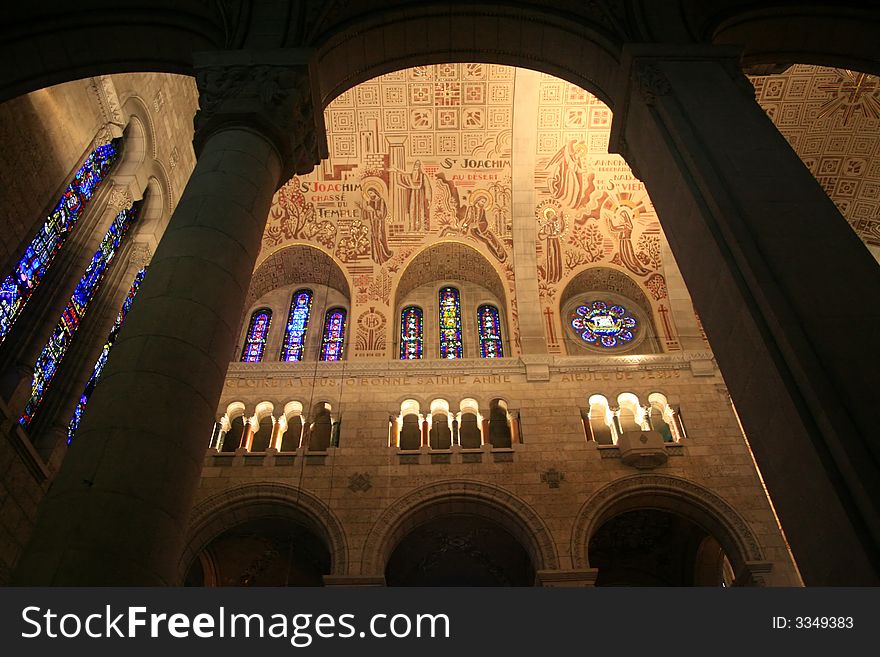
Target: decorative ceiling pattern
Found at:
x=831, y=118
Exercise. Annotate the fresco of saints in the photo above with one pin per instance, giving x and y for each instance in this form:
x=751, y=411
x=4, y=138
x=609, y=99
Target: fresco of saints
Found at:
x=477, y=225
x=375, y=212
x=551, y=229
x=571, y=183
x=621, y=225
x=418, y=197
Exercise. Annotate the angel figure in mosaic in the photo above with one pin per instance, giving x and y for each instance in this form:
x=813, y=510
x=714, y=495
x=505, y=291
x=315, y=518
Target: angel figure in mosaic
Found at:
x=571, y=183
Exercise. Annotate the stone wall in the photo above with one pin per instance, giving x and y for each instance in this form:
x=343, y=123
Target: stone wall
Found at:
x=552, y=472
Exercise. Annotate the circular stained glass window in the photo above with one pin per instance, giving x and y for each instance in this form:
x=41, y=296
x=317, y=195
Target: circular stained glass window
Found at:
x=599, y=324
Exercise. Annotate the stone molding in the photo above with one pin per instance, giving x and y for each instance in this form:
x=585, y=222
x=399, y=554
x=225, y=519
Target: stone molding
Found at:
x=272, y=92
x=468, y=366
x=457, y=492
x=592, y=512
x=233, y=506
x=104, y=91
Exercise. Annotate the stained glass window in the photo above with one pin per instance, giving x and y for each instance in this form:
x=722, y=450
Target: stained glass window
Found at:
x=411, y=327
x=334, y=335
x=258, y=331
x=73, y=425
x=297, y=325
x=17, y=287
x=598, y=324
x=71, y=318
x=450, y=323
x=489, y=325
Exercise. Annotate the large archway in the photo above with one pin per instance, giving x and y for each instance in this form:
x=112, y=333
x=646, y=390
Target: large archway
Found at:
x=423, y=515
x=694, y=511
x=270, y=514
x=262, y=552
x=650, y=547
x=459, y=549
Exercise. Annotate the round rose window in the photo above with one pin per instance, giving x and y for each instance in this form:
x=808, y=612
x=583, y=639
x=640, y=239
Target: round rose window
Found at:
x=598, y=323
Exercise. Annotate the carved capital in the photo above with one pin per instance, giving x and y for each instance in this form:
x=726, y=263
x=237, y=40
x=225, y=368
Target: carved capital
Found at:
x=120, y=198
x=272, y=93
x=651, y=81
x=140, y=256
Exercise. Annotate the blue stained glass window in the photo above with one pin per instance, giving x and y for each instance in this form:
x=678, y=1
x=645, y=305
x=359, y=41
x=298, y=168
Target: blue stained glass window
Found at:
x=297, y=325
x=450, y=323
x=75, y=420
x=258, y=332
x=600, y=325
x=411, y=328
x=489, y=324
x=59, y=342
x=334, y=335
x=17, y=287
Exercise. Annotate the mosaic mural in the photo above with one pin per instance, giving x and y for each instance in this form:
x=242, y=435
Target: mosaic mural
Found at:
x=416, y=156
x=423, y=155
x=591, y=210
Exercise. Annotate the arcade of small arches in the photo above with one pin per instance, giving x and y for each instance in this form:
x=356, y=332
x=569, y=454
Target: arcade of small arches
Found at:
x=473, y=534
x=289, y=431
x=604, y=423
x=442, y=426
x=437, y=424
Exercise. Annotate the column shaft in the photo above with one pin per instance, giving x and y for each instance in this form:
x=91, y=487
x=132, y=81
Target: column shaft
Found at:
x=782, y=286
x=118, y=510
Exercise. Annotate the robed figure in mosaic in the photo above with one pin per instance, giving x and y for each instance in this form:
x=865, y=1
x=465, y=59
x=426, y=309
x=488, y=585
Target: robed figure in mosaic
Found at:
x=621, y=225
x=418, y=197
x=375, y=212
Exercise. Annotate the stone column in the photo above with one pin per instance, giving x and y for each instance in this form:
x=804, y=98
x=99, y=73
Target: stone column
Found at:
x=784, y=288
x=118, y=510
x=524, y=227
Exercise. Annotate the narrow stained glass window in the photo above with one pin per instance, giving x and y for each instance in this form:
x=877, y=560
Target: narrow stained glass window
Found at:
x=17, y=287
x=411, y=327
x=334, y=335
x=489, y=324
x=71, y=318
x=450, y=323
x=258, y=331
x=75, y=420
x=297, y=325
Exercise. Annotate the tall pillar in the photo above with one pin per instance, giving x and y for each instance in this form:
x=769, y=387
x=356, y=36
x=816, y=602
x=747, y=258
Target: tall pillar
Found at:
x=524, y=228
x=784, y=288
x=118, y=510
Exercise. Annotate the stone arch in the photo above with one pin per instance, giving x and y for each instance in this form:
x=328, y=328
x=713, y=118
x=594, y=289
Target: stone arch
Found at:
x=232, y=506
x=794, y=34
x=458, y=495
x=673, y=495
x=453, y=261
x=297, y=263
x=491, y=34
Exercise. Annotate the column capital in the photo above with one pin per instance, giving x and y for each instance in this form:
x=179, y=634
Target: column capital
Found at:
x=641, y=75
x=273, y=92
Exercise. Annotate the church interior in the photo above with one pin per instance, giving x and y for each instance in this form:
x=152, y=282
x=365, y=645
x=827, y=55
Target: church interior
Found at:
x=430, y=294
